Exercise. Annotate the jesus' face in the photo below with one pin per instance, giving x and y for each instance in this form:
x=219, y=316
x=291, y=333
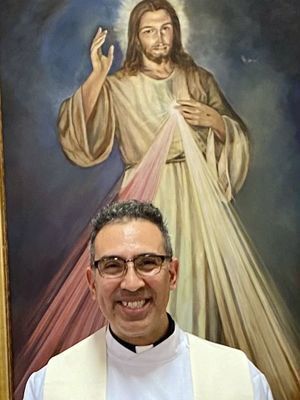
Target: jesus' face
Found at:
x=156, y=35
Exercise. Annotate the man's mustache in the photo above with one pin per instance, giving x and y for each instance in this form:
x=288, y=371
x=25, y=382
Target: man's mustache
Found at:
x=126, y=295
x=160, y=46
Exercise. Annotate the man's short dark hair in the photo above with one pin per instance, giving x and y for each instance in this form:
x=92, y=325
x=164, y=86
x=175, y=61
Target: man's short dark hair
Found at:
x=127, y=211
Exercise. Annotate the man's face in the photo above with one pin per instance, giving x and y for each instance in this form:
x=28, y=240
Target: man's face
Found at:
x=156, y=35
x=134, y=306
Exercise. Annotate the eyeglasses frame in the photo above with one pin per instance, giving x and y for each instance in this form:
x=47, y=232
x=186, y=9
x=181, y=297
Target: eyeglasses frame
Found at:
x=164, y=257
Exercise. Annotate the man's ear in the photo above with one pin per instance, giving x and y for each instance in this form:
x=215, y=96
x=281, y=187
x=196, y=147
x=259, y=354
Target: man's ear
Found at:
x=173, y=270
x=90, y=274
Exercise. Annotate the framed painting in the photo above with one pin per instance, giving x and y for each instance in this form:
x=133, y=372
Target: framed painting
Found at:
x=48, y=198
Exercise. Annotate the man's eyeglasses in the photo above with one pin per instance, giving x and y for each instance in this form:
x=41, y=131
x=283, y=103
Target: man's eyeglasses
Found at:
x=144, y=264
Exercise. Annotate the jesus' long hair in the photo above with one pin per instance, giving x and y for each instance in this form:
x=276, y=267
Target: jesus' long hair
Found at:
x=134, y=60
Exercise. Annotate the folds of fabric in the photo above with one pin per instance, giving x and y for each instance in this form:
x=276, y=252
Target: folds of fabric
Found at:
x=146, y=176
x=250, y=312
x=95, y=144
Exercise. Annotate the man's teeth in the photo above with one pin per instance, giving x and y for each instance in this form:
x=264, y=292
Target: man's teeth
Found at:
x=134, y=304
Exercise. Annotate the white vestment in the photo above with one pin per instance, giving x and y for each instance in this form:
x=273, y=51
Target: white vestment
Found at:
x=162, y=372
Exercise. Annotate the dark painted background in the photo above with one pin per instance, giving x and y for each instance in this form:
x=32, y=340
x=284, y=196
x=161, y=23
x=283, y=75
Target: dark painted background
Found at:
x=253, y=49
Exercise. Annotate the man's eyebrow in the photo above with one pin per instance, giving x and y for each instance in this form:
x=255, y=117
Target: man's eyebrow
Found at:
x=110, y=256
x=146, y=27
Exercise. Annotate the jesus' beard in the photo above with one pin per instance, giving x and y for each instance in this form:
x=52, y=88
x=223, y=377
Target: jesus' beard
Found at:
x=157, y=59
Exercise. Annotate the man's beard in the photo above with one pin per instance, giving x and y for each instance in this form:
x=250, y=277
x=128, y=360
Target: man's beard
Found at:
x=157, y=59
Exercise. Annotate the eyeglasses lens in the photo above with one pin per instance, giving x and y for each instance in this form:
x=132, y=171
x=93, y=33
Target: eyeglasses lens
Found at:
x=144, y=264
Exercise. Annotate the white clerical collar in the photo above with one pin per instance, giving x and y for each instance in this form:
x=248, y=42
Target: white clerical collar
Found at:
x=141, y=349
x=163, y=352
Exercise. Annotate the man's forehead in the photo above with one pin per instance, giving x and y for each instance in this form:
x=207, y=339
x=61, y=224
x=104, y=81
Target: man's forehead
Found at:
x=127, y=238
x=128, y=226
x=155, y=17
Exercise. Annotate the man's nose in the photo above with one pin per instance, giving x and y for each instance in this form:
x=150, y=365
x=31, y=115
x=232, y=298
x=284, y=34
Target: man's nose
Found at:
x=159, y=36
x=131, y=280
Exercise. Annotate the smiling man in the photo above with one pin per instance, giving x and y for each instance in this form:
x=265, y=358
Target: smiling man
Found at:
x=131, y=279
x=141, y=353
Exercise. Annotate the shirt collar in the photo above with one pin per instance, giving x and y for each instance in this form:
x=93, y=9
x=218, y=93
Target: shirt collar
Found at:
x=140, y=349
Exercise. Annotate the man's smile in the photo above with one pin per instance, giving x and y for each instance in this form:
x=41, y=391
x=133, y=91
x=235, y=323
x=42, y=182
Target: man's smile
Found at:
x=134, y=304
x=134, y=310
